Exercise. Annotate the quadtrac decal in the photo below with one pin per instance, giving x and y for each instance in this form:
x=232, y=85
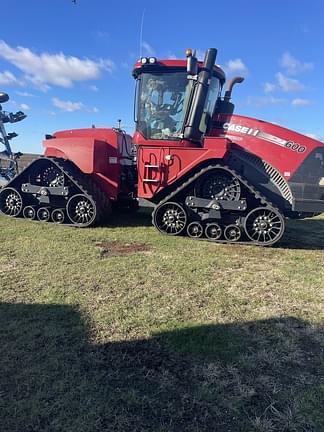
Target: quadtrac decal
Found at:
x=291, y=145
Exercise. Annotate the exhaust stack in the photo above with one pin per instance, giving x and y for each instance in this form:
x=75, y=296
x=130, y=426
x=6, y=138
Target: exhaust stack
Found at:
x=191, y=129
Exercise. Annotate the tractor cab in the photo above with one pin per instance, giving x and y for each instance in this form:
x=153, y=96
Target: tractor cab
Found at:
x=176, y=99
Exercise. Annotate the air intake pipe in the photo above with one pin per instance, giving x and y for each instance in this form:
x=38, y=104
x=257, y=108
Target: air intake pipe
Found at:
x=224, y=106
x=231, y=84
x=192, y=122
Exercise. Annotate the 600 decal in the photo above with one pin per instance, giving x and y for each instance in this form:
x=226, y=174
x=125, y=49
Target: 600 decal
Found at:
x=295, y=147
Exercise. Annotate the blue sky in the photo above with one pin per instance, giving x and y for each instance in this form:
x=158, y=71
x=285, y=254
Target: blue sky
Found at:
x=69, y=65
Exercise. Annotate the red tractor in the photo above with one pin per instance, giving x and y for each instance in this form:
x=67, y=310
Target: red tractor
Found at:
x=207, y=172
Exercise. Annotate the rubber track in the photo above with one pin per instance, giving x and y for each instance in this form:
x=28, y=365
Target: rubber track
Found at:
x=86, y=185
x=257, y=195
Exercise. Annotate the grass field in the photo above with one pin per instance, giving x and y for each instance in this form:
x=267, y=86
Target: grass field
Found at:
x=122, y=329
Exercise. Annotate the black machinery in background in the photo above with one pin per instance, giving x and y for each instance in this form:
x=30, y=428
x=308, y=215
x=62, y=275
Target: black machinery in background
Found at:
x=8, y=159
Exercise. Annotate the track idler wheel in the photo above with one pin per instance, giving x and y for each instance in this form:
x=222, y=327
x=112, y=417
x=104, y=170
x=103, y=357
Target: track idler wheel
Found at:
x=29, y=212
x=195, y=230
x=213, y=231
x=58, y=216
x=264, y=226
x=81, y=210
x=232, y=233
x=43, y=214
x=11, y=203
x=170, y=218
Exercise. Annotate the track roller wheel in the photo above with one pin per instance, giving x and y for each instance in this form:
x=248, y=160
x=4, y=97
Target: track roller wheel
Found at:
x=170, y=218
x=232, y=233
x=81, y=210
x=29, y=212
x=195, y=230
x=58, y=216
x=219, y=184
x=11, y=202
x=43, y=214
x=213, y=231
x=264, y=226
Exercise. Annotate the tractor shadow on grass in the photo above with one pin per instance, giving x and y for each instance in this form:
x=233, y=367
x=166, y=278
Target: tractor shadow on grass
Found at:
x=252, y=376
x=303, y=234
x=124, y=218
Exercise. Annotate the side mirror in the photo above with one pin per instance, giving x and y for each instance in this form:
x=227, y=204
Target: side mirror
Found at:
x=3, y=97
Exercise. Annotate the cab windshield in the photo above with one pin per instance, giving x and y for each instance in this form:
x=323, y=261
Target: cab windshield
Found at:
x=161, y=104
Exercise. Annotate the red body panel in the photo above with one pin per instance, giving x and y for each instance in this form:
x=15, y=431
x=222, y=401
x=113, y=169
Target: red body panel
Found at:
x=284, y=149
x=159, y=167
x=99, y=152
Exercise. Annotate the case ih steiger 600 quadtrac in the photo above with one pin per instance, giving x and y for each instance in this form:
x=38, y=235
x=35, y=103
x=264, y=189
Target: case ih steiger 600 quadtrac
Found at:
x=209, y=173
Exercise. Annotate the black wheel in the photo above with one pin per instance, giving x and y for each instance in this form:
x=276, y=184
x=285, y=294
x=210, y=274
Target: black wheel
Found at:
x=195, y=230
x=43, y=214
x=219, y=184
x=29, y=212
x=11, y=202
x=213, y=231
x=81, y=210
x=232, y=233
x=58, y=216
x=170, y=218
x=46, y=174
x=53, y=177
x=264, y=226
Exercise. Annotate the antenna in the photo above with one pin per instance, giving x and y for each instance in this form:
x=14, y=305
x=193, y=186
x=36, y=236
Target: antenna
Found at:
x=141, y=32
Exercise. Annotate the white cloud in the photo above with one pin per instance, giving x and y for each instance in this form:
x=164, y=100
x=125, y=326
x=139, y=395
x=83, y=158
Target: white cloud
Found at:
x=56, y=69
x=94, y=88
x=236, y=66
x=313, y=136
x=148, y=50
x=269, y=87
x=294, y=66
x=288, y=84
x=24, y=94
x=8, y=79
x=200, y=54
x=24, y=107
x=69, y=106
x=172, y=56
x=102, y=35
x=19, y=106
x=298, y=102
x=260, y=102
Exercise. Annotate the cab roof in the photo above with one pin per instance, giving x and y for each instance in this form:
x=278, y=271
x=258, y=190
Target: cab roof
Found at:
x=172, y=65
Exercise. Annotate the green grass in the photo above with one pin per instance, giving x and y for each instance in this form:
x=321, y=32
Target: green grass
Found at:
x=181, y=336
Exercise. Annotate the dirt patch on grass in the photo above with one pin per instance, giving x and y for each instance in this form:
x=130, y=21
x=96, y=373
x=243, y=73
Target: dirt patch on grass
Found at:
x=114, y=248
